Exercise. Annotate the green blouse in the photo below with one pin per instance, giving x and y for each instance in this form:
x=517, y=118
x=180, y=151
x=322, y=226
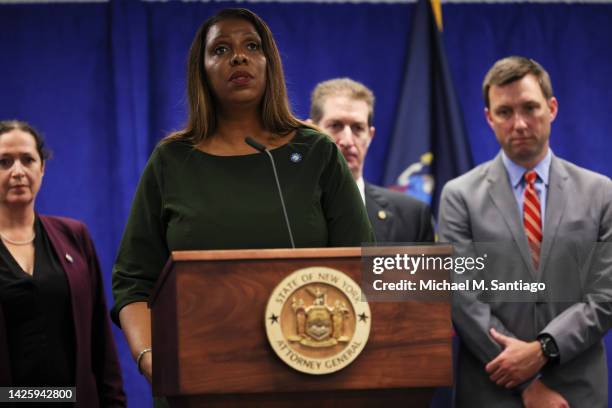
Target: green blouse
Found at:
x=189, y=200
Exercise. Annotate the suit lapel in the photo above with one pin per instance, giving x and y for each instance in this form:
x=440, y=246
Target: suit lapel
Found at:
x=375, y=203
x=58, y=245
x=77, y=284
x=502, y=196
x=555, y=207
x=65, y=256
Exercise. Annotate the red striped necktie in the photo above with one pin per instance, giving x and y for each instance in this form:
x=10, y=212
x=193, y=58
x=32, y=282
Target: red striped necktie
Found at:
x=532, y=217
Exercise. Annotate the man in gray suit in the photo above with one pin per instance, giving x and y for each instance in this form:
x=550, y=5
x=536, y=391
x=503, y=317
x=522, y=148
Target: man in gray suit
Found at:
x=345, y=110
x=547, y=352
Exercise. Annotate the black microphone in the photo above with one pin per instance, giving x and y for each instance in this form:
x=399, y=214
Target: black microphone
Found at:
x=262, y=149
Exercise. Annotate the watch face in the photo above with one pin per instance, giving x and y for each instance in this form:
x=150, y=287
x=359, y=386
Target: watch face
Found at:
x=549, y=348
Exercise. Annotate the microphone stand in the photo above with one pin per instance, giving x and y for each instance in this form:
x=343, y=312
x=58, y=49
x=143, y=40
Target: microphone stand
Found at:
x=261, y=148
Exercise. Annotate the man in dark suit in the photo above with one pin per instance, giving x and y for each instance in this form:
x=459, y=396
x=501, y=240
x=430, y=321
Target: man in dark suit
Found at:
x=545, y=350
x=345, y=110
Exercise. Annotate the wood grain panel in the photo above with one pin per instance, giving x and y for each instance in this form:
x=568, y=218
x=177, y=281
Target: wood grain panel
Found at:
x=221, y=346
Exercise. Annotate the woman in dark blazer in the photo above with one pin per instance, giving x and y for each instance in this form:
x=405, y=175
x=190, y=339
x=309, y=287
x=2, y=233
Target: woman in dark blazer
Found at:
x=54, y=326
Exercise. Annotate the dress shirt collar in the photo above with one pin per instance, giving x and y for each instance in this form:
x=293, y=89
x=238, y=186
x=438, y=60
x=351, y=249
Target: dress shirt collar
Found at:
x=516, y=172
x=361, y=186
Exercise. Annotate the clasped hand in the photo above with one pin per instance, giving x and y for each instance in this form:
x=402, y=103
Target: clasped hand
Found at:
x=518, y=362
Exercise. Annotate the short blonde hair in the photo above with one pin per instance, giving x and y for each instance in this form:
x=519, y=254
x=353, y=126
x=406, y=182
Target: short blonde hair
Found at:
x=340, y=87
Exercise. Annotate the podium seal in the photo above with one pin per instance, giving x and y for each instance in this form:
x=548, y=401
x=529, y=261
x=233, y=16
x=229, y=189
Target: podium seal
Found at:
x=316, y=320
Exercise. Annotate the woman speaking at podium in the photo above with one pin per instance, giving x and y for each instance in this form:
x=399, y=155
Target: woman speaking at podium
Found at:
x=204, y=187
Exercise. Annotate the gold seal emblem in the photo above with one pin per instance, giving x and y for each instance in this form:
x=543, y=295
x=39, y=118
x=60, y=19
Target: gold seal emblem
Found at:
x=317, y=321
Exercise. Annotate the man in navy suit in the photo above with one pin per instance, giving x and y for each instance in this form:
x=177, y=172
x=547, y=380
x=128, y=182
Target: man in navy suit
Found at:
x=345, y=110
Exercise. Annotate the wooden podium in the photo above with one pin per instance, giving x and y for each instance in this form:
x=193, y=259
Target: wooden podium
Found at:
x=211, y=349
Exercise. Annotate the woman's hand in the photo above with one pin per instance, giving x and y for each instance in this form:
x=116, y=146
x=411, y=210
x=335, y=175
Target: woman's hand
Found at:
x=135, y=321
x=146, y=366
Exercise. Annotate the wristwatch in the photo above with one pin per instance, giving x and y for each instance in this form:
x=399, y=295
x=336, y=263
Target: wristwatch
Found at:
x=549, y=348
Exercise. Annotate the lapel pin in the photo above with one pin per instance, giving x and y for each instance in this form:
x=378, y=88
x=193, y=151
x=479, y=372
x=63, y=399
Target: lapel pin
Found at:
x=382, y=214
x=69, y=258
x=296, y=157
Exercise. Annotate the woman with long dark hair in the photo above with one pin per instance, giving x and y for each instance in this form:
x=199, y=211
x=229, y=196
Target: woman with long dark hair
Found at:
x=205, y=188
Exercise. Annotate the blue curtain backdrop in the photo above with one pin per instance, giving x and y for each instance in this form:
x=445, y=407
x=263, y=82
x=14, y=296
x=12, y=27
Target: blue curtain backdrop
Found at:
x=105, y=81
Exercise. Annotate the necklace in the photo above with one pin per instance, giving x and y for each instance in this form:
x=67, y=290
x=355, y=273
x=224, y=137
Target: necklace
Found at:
x=19, y=243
